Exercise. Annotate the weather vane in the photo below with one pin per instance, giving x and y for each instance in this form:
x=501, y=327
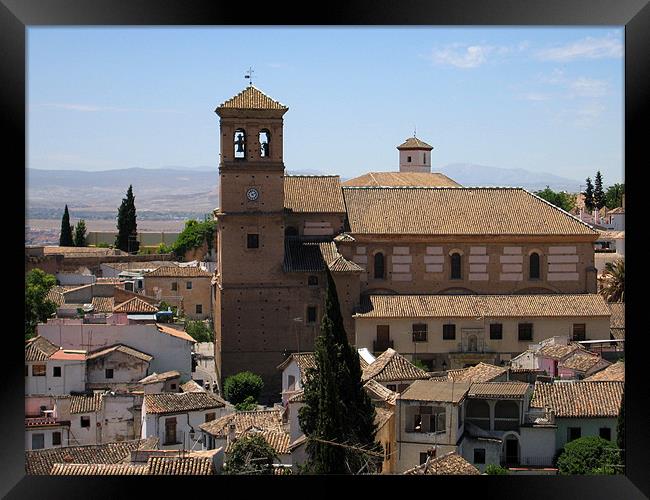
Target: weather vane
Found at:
x=414, y=130
x=249, y=75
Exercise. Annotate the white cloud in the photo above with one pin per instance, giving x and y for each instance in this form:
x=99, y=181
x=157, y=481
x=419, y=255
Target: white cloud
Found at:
x=535, y=96
x=587, y=87
x=609, y=46
x=462, y=56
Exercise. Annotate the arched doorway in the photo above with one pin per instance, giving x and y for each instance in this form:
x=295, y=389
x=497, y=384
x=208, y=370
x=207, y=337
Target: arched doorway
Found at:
x=510, y=452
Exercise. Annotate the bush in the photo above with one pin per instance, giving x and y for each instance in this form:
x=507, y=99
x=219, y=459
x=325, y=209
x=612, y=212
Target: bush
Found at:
x=588, y=455
x=193, y=236
x=249, y=404
x=162, y=248
x=250, y=454
x=103, y=245
x=420, y=364
x=237, y=388
x=199, y=331
x=496, y=470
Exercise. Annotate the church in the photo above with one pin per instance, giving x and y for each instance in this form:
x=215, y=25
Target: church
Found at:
x=410, y=232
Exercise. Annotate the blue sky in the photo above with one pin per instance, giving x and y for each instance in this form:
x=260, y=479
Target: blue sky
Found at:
x=541, y=99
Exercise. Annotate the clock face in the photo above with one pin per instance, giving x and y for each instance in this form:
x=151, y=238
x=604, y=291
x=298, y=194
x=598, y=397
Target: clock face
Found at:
x=252, y=194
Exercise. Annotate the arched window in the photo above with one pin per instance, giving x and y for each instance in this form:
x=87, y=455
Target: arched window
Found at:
x=477, y=412
x=455, y=267
x=379, y=266
x=240, y=143
x=533, y=268
x=506, y=416
x=265, y=140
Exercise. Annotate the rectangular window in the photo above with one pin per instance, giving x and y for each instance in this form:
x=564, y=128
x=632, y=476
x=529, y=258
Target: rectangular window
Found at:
x=209, y=417
x=605, y=433
x=438, y=419
x=38, y=370
x=26, y=370
x=573, y=433
x=311, y=314
x=85, y=421
x=38, y=441
x=579, y=331
x=109, y=372
x=199, y=308
x=496, y=331
x=170, y=430
x=420, y=332
x=174, y=286
x=408, y=159
x=449, y=332
x=479, y=455
x=525, y=331
x=252, y=241
x=56, y=438
x=56, y=371
x=423, y=457
x=391, y=387
x=417, y=423
x=188, y=285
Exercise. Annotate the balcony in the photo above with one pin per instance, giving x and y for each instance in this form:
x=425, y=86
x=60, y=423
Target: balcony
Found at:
x=381, y=345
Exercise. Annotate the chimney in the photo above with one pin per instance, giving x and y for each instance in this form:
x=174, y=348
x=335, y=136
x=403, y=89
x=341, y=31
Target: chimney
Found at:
x=230, y=438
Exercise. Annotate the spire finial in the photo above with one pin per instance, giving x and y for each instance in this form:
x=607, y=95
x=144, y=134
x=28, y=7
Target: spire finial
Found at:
x=249, y=75
x=414, y=130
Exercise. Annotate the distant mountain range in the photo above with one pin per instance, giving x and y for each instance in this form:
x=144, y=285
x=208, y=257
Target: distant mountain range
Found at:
x=190, y=192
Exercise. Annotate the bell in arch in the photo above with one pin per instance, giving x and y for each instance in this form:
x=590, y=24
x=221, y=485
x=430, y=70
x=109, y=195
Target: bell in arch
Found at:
x=240, y=143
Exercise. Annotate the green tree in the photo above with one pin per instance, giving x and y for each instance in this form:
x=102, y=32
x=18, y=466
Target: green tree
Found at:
x=37, y=308
x=65, y=238
x=238, y=387
x=496, y=470
x=194, y=235
x=599, y=194
x=337, y=408
x=199, y=331
x=248, y=404
x=620, y=430
x=250, y=454
x=588, y=455
x=562, y=199
x=614, y=196
x=162, y=248
x=80, y=234
x=420, y=364
x=589, y=196
x=127, y=227
x=613, y=281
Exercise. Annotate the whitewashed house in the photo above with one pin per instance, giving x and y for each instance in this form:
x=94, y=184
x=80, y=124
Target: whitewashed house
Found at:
x=50, y=370
x=116, y=364
x=46, y=432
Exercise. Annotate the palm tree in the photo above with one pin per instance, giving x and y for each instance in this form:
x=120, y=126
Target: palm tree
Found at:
x=613, y=281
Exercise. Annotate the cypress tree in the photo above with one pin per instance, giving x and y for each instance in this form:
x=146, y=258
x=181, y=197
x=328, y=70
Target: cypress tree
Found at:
x=65, y=239
x=589, y=195
x=80, y=234
x=336, y=407
x=599, y=194
x=126, y=224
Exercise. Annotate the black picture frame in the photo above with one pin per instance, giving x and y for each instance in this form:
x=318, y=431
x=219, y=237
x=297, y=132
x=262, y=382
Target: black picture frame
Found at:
x=17, y=15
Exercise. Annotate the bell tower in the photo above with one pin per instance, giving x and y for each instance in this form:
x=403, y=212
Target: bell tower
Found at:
x=250, y=232
x=414, y=156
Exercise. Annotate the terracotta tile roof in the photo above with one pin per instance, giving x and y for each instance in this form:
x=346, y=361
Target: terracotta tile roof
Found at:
x=279, y=440
x=581, y=399
x=606, y=235
x=56, y=294
x=45, y=422
x=39, y=349
x=264, y=420
x=180, y=466
x=135, y=305
x=391, y=366
x=475, y=306
x=613, y=373
x=160, y=377
x=617, y=319
x=103, y=304
x=298, y=397
x=82, y=251
x=86, y=404
x=414, y=143
x=191, y=386
x=69, y=354
x=499, y=390
x=41, y=461
x=378, y=392
x=482, y=372
x=181, y=402
x=127, y=266
x=315, y=256
x=99, y=470
x=174, y=332
x=382, y=416
x=448, y=464
x=558, y=351
x=313, y=194
x=179, y=272
x=109, y=281
x=129, y=351
x=430, y=390
x=304, y=360
x=396, y=179
x=617, y=210
x=582, y=361
x=252, y=98
x=456, y=211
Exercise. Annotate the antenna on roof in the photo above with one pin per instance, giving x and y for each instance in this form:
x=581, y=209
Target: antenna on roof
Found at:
x=414, y=130
x=249, y=75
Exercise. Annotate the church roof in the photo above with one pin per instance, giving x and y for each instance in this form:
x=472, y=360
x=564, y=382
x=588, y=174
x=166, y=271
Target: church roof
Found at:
x=313, y=193
x=414, y=143
x=314, y=256
x=395, y=179
x=456, y=211
x=252, y=98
